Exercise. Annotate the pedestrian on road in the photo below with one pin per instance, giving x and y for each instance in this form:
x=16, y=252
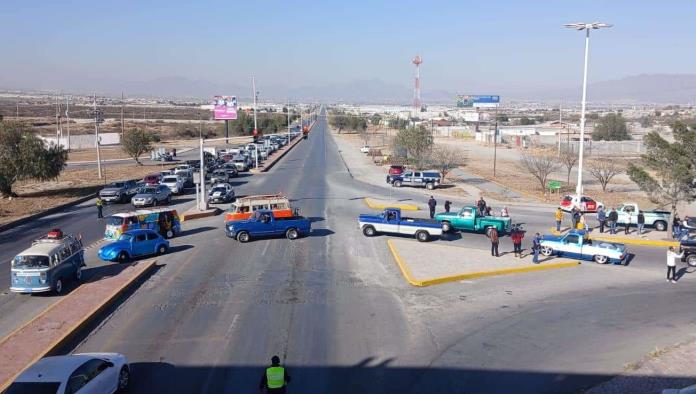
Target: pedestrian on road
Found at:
x=676, y=226
x=559, y=219
x=581, y=222
x=641, y=222
x=481, y=205
x=100, y=206
x=601, y=218
x=504, y=212
x=448, y=203
x=275, y=378
x=627, y=225
x=493, y=235
x=536, y=247
x=612, y=218
x=432, y=204
x=574, y=216
x=516, y=237
x=672, y=257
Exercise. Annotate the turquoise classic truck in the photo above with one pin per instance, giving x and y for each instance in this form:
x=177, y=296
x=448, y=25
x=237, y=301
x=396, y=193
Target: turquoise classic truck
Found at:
x=468, y=219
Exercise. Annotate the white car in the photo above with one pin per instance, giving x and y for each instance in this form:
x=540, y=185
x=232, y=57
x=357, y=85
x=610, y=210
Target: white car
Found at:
x=85, y=373
x=577, y=244
x=174, y=183
x=182, y=167
x=365, y=149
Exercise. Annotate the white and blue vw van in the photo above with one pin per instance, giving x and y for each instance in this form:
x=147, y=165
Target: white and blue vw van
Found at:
x=48, y=263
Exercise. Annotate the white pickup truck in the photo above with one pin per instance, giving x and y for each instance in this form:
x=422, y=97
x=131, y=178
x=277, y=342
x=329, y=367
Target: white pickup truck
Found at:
x=628, y=213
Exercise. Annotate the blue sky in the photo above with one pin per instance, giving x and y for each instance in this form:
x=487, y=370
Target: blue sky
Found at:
x=466, y=45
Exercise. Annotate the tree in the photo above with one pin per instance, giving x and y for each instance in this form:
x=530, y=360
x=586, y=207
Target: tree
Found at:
x=569, y=158
x=417, y=141
x=376, y=119
x=603, y=171
x=135, y=142
x=540, y=165
x=611, y=127
x=25, y=156
x=525, y=121
x=646, y=122
x=447, y=158
x=667, y=171
x=398, y=123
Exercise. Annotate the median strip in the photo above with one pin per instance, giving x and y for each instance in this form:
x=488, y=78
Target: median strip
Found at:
x=382, y=204
x=58, y=323
x=454, y=263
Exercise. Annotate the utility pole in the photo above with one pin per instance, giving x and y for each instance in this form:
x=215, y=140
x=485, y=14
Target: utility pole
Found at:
x=253, y=87
x=17, y=115
x=96, y=135
x=495, y=139
x=288, y=112
x=57, y=119
x=67, y=117
x=560, y=123
x=122, y=123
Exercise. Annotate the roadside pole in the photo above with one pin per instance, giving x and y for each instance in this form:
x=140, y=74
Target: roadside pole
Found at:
x=288, y=112
x=495, y=139
x=203, y=206
x=227, y=131
x=67, y=117
x=96, y=136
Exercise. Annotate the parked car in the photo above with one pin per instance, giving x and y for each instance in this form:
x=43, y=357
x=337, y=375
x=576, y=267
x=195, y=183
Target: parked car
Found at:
x=393, y=171
x=427, y=179
x=152, y=195
x=186, y=176
x=134, y=243
x=174, y=183
x=164, y=173
x=120, y=192
x=152, y=179
x=265, y=224
x=628, y=213
x=182, y=167
x=219, y=176
x=469, y=219
x=688, y=247
x=241, y=163
x=577, y=244
x=221, y=192
x=365, y=149
x=391, y=221
x=586, y=204
x=83, y=373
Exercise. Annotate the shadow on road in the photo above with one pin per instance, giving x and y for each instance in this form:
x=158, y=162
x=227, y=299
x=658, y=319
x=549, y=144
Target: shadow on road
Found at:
x=195, y=230
x=315, y=219
x=683, y=271
x=320, y=232
x=179, y=248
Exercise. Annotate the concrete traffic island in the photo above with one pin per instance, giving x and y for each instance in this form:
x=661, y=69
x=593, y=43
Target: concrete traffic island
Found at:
x=58, y=323
x=195, y=213
x=375, y=203
x=426, y=264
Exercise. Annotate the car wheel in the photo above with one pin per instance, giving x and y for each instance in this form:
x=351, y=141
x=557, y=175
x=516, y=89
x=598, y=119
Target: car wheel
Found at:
x=243, y=237
x=162, y=249
x=292, y=234
x=123, y=379
x=691, y=260
x=546, y=251
x=58, y=286
x=369, y=231
x=122, y=257
x=397, y=183
x=154, y=203
x=601, y=259
x=169, y=233
x=429, y=186
x=660, y=225
x=78, y=273
x=422, y=236
x=446, y=227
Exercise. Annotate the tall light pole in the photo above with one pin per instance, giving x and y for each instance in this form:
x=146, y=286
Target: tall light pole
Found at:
x=587, y=27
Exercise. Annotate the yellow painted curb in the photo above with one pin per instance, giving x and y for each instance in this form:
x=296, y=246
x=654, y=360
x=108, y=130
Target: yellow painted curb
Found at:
x=471, y=275
x=71, y=331
x=378, y=205
x=629, y=241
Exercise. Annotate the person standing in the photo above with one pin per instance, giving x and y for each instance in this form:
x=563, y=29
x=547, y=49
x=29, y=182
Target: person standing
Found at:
x=432, y=204
x=536, y=247
x=559, y=219
x=613, y=218
x=574, y=216
x=641, y=222
x=504, y=212
x=481, y=205
x=627, y=225
x=493, y=235
x=601, y=218
x=516, y=237
x=448, y=203
x=672, y=257
x=676, y=226
x=581, y=222
x=100, y=207
x=275, y=378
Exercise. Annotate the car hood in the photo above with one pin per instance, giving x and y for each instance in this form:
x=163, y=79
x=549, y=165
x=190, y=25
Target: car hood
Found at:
x=112, y=189
x=448, y=215
x=116, y=245
x=144, y=195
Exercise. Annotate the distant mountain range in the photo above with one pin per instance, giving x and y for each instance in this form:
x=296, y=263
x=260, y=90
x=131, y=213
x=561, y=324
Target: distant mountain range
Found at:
x=645, y=88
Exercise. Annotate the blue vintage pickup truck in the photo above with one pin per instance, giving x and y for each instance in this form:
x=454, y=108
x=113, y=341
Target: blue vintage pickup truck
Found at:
x=264, y=224
x=390, y=221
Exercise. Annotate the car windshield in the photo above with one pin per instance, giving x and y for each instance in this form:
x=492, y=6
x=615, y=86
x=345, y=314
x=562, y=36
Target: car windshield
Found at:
x=148, y=190
x=114, y=221
x=30, y=261
x=125, y=237
x=219, y=189
x=116, y=184
x=33, y=388
x=170, y=179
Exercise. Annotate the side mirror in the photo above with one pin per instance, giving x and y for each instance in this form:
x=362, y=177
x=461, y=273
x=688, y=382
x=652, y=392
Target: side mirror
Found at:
x=109, y=364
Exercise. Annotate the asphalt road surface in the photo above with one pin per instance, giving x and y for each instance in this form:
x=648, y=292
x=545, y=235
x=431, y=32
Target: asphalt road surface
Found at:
x=336, y=310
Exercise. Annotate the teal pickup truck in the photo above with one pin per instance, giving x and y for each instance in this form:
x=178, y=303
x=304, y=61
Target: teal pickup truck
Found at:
x=468, y=219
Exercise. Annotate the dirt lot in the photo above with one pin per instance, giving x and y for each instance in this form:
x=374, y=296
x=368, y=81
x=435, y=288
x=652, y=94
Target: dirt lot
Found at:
x=72, y=184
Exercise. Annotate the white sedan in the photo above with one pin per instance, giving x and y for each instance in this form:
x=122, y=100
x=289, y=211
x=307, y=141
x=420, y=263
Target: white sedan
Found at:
x=365, y=149
x=86, y=373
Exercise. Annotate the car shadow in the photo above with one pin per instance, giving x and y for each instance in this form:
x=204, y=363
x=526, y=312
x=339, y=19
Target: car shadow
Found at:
x=315, y=219
x=321, y=232
x=451, y=236
x=179, y=248
x=629, y=259
x=683, y=271
x=195, y=230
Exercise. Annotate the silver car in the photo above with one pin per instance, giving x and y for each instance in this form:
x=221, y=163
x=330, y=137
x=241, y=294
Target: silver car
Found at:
x=152, y=195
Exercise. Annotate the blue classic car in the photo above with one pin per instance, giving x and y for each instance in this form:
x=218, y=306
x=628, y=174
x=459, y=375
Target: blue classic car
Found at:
x=578, y=245
x=134, y=243
x=265, y=224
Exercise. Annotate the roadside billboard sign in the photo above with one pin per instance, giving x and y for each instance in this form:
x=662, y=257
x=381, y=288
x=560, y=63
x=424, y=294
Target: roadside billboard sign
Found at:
x=477, y=101
x=471, y=117
x=225, y=107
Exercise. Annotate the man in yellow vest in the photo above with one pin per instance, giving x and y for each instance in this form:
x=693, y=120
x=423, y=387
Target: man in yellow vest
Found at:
x=100, y=206
x=275, y=378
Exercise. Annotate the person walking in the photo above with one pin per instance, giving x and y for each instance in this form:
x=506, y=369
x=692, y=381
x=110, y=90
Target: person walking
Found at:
x=448, y=203
x=672, y=257
x=641, y=222
x=612, y=218
x=601, y=218
x=432, y=204
x=275, y=378
x=100, y=207
x=559, y=219
x=493, y=236
x=536, y=247
x=516, y=237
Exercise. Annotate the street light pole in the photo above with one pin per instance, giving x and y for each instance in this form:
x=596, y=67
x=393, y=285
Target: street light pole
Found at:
x=96, y=136
x=587, y=27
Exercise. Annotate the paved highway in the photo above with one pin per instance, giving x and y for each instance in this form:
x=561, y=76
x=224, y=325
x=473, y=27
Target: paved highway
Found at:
x=337, y=311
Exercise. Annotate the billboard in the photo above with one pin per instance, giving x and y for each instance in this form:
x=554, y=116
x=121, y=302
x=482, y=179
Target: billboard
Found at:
x=225, y=107
x=477, y=101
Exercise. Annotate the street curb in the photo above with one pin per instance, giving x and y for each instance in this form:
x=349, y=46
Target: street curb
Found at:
x=68, y=334
x=377, y=205
x=50, y=211
x=629, y=241
x=198, y=215
x=283, y=153
x=406, y=272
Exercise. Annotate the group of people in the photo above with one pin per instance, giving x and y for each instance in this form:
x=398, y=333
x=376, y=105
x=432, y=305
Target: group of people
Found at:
x=606, y=219
x=481, y=206
x=516, y=235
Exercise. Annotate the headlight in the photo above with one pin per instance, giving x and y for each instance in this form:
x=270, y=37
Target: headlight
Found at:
x=42, y=277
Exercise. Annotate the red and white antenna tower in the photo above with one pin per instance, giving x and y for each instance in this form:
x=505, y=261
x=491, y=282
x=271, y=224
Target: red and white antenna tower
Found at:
x=417, y=104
